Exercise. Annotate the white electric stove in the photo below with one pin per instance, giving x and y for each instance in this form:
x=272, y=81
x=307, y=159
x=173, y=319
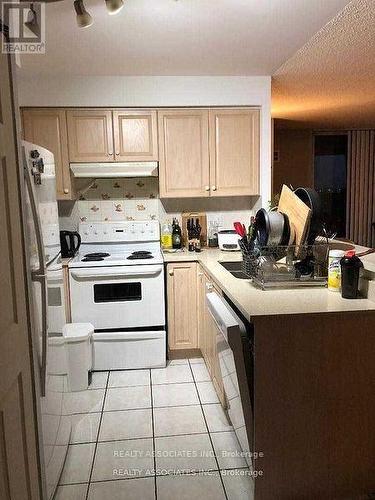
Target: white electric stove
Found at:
x=117, y=284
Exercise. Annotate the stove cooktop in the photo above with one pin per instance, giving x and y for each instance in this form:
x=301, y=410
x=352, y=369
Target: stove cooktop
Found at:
x=118, y=255
x=141, y=254
x=122, y=243
x=94, y=257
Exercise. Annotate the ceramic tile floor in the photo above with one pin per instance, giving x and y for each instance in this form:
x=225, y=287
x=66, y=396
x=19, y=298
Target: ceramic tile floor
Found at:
x=155, y=434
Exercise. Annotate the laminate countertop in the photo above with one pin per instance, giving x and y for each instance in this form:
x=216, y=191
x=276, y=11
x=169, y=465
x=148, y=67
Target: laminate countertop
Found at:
x=253, y=301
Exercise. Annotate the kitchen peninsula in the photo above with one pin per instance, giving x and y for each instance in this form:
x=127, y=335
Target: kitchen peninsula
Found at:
x=312, y=379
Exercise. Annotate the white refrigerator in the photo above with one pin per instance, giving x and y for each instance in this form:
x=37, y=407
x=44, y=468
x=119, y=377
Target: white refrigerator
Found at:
x=47, y=306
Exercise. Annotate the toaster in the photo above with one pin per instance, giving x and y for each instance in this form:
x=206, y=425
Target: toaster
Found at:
x=228, y=240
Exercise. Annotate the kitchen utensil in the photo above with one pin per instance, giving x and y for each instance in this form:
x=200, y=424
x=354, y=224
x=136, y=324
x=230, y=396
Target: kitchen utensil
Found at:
x=286, y=231
x=251, y=235
x=70, y=242
x=240, y=229
x=311, y=199
x=270, y=227
x=305, y=267
x=212, y=234
x=202, y=222
x=297, y=211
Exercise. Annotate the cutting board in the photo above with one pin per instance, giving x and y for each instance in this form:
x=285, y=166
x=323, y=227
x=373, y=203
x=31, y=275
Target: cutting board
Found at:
x=202, y=221
x=297, y=211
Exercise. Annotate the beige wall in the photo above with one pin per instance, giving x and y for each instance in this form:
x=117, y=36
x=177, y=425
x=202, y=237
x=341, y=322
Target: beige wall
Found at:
x=295, y=165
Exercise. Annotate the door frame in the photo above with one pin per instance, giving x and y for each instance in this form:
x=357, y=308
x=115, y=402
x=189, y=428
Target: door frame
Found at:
x=34, y=368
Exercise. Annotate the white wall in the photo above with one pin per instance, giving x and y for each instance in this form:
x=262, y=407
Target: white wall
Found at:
x=159, y=91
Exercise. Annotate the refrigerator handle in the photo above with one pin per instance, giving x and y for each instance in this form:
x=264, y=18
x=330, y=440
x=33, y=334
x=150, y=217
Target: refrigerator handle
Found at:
x=39, y=275
x=41, y=278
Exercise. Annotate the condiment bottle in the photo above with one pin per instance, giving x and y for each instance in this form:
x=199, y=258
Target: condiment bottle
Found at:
x=176, y=235
x=166, y=236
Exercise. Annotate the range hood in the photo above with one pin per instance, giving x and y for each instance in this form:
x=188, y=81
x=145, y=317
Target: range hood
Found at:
x=115, y=169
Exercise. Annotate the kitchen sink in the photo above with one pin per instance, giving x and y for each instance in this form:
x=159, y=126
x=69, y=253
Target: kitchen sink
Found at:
x=235, y=268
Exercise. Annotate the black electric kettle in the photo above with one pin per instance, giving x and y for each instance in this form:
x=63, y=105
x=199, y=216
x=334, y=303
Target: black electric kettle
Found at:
x=70, y=242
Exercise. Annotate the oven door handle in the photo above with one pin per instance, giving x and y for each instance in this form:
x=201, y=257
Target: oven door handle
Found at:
x=88, y=274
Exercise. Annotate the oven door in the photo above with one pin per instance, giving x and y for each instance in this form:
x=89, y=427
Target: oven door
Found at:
x=118, y=296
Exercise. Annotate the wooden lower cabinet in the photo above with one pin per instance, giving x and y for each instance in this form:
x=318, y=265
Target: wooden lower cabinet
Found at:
x=207, y=333
x=182, y=306
x=190, y=326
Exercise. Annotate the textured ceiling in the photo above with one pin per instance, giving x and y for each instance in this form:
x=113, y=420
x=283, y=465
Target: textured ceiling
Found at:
x=184, y=37
x=330, y=81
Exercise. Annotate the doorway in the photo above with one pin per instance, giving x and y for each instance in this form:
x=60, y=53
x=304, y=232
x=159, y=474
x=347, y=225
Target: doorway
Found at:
x=330, y=179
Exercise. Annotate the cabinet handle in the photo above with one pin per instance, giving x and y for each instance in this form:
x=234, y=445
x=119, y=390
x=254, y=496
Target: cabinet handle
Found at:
x=170, y=272
x=117, y=153
x=207, y=188
x=200, y=274
x=66, y=191
x=213, y=188
x=209, y=286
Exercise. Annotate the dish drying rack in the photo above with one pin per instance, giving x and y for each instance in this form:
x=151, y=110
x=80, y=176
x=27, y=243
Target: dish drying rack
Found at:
x=291, y=266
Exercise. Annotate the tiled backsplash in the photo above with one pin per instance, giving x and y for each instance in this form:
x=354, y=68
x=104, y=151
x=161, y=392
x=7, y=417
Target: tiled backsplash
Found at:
x=138, y=199
x=120, y=199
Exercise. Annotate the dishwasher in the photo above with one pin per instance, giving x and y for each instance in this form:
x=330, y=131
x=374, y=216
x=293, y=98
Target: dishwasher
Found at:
x=234, y=342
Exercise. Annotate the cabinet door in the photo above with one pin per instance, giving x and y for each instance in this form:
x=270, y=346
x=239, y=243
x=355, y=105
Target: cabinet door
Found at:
x=182, y=306
x=47, y=128
x=234, y=152
x=90, y=135
x=135, y=134
x=183, y=151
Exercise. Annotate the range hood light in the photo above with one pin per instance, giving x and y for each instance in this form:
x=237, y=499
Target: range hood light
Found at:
x=84, y=20
x=115, y=169
x=114, y=6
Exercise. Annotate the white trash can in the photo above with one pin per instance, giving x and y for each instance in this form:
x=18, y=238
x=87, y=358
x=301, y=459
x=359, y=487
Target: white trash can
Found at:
x=77, y=338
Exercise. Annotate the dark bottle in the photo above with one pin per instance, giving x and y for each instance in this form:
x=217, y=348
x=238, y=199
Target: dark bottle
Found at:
x=350, y=266
x=176, y=235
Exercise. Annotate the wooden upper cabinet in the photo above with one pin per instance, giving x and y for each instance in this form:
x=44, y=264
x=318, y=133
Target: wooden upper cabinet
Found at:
x=90, y=136
x=234, y=152
x=135, y=134
x=46, y=127
x=183, y=153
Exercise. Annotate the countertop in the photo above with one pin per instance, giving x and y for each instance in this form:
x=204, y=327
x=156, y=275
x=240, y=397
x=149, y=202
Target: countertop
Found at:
x=252, y=301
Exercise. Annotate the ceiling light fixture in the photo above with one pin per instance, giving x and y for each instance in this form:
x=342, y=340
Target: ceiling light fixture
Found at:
x=114, y=6
x=84, y=20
